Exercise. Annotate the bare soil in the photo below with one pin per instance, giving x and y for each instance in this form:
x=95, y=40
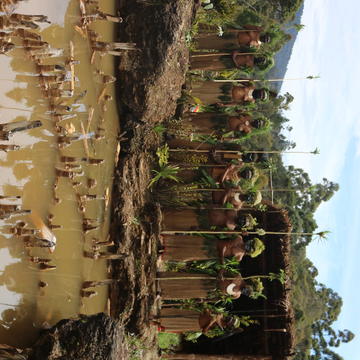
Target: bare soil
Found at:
x=69, y=340
x=150, y=82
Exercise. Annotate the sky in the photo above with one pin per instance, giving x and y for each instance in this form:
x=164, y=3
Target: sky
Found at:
x=326, y=115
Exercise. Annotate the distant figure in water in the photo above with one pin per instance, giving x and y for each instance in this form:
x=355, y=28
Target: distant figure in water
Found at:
x=46, y=267
x=48, y=237
x=9, y=22
x=43, y=284
x=5, y=36
x=32, y=241
x=7, y=215
x=88, y=284
x=56, y=93
x=91, y=183
x=71, y=159
x=8, y=209
x=7, y=148
x=37, y=260
x=20, y=230
x=47, y=81
x=6, y=47
x=103, y=255
x=66, y=173
x=17, y=197
x=22, y=17
x=106, y=79
x=41, y=68
x=97, y=14
x=26, y=34
x=7, y=6
x=8, y=129
x=88, y=293
x=31, y=44
x=111, y=48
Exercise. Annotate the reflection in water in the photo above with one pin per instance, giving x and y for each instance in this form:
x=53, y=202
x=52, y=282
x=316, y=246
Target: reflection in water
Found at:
x=58, y=138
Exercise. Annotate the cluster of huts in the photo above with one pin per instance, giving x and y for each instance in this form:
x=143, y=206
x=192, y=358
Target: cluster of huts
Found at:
x=216, y=214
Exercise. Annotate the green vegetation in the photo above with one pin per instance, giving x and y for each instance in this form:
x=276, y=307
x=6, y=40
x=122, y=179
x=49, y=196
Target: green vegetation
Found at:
x=168, y=341
x=135, y=347
x=166, y=172
x=316, y=306
x=159, y=129
x=241, y=323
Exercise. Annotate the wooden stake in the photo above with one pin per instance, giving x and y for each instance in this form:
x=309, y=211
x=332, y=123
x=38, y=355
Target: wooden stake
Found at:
x=221, y=54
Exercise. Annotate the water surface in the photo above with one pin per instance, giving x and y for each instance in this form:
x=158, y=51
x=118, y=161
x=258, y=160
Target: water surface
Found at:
x=29, y=172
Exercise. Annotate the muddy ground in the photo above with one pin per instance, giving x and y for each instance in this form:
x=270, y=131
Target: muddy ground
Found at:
x=150, y=80
x=149, y=85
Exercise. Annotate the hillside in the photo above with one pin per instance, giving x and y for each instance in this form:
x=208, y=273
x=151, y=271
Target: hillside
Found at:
x=282, y=58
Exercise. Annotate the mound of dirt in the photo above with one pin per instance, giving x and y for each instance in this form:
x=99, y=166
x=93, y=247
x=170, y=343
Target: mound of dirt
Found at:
x=96, y=337
x=151, y=77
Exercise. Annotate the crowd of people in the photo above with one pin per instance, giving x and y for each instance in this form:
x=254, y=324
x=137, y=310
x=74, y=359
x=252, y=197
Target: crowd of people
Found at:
x=54, y=71
x=210, y=215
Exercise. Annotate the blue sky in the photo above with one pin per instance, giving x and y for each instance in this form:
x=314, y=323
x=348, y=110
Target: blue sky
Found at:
x=326, y=114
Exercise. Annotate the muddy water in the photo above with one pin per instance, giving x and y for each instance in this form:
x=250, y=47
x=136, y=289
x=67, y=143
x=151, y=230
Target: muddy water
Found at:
x=29, y=172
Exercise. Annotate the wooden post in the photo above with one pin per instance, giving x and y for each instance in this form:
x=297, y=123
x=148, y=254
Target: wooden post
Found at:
x=216, y=208
x=217, y=54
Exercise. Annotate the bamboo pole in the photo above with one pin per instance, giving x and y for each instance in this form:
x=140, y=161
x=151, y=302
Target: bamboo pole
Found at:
x=221, y=54
x=321, y=234
x=197, y=166
x=231, y=31
x=265, y=80
x=271, y=185
x=217, y=208
x=224, y=189
x=72, y=67
x=244, y=151
x=210, y=277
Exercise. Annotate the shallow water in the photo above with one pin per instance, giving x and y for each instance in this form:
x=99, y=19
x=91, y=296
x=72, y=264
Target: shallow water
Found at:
x=30, y=173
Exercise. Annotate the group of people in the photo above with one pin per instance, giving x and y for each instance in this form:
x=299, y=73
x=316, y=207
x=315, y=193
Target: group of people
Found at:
x=187, y=237
x=58, y=85
x=218, y=195
x=232, y=49
x=90, y=12
x=218, y=114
